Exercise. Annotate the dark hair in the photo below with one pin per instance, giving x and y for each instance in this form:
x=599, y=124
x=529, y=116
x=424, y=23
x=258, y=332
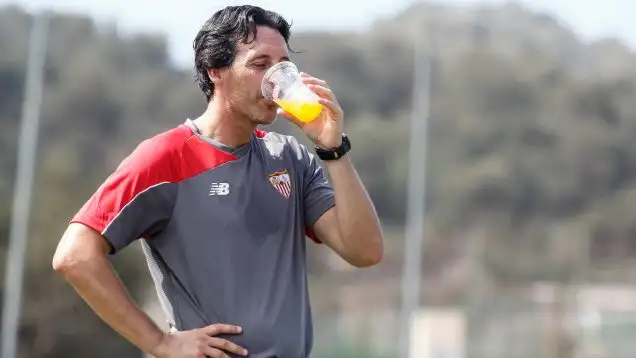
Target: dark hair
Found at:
x=215, y=44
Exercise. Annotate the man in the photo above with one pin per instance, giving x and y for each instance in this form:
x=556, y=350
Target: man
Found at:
x=223, y=208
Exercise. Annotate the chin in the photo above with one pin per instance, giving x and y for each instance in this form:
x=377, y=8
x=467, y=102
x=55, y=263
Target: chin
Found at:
x=264, y=119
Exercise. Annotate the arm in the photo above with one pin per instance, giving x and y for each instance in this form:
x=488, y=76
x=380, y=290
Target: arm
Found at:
x=81, y=259
x=341, y=214
x=135, y=201
x=351, y=228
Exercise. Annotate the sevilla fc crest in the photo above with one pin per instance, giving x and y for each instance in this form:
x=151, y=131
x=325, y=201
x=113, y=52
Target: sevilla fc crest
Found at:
x=281, y=182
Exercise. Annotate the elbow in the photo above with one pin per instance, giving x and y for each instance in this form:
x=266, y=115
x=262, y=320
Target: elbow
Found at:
x=78, y=252
x=371, y=256
x=71, y=264
x=64, y=263
x=81, y=254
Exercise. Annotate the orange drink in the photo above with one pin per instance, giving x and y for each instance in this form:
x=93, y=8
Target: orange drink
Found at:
x=282, y=84
x=304, y=111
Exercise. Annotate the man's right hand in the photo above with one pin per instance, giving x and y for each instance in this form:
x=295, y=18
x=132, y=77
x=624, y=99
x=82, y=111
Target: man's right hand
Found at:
x=199, y=343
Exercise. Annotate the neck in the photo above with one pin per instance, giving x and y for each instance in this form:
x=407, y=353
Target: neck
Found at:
x=224, y=125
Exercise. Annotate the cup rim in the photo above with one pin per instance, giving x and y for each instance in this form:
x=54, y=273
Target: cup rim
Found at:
x=273, y=69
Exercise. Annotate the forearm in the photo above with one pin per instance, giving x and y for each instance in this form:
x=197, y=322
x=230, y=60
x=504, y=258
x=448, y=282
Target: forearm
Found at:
x=357, y=219
x=98, y=284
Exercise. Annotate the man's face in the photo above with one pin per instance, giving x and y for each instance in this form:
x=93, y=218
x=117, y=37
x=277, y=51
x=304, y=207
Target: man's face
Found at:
x=242, y=81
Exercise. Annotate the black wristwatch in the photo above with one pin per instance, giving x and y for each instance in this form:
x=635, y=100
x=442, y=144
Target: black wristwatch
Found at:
x=336, y=153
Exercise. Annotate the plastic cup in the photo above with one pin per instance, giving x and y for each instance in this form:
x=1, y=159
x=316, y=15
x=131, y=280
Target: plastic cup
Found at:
x=282, y=85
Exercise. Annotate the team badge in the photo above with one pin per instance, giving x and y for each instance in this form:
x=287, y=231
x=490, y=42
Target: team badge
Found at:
x=281, y=182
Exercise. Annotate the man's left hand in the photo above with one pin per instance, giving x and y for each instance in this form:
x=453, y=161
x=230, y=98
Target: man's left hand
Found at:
x=326, y=129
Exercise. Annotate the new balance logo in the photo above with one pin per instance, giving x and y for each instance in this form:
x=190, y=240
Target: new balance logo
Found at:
x=219, y=189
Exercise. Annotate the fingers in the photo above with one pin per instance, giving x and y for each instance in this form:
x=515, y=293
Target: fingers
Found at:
x=327, y=97
x=305, y=78
x=209, y=352
x=227, y=346
x=220, y=328
x=322, y=91
x=213, y=344
x=319, y=86
x=332, y=106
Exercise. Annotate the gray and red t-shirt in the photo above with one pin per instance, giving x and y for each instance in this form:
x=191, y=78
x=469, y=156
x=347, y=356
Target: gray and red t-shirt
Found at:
x=224, y=231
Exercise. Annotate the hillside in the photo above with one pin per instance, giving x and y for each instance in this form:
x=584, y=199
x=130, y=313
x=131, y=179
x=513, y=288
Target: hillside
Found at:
x=531, y=143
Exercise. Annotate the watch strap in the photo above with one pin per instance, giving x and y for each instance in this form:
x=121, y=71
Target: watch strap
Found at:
x=336, y=153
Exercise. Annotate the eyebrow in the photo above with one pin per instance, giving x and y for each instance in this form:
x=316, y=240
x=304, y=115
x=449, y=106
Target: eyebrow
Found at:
x=260, y=57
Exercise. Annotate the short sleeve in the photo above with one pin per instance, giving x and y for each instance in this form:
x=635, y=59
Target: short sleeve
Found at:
x=136, y=200
x=318, y=195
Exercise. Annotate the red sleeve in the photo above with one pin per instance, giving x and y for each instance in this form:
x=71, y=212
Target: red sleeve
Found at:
x=136, y=199
x=312, y=235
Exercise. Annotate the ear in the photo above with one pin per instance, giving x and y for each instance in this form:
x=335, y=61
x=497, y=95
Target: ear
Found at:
x=215, y=75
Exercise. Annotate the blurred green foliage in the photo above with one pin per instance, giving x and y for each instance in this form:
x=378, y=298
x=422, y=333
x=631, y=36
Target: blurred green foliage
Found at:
x=531, y=136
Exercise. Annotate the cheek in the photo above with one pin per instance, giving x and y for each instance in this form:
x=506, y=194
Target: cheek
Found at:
x=252, y=79
x=253, y=89
x=254, y=83
x=247, y=84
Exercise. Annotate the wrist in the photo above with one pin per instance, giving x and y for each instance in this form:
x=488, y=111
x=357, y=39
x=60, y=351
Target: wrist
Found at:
x=336, y=152
x=160, y=348
x=332, y=146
